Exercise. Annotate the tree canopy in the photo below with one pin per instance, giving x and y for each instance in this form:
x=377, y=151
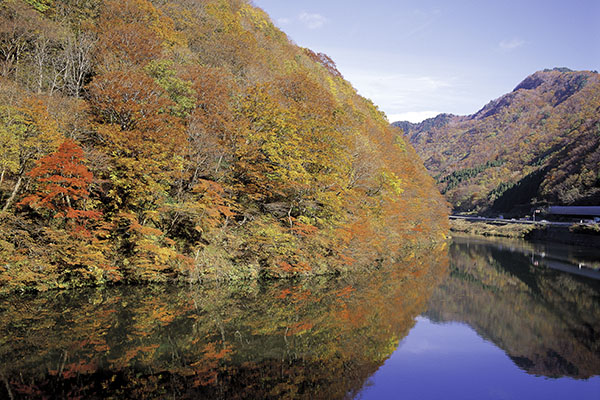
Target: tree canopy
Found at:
x=152, y=141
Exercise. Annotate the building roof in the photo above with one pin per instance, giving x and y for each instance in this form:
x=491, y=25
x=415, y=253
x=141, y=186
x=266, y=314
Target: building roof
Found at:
x=575, y=210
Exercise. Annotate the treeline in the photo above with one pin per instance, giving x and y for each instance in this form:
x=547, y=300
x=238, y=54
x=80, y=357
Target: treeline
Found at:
x=153, y=141
x=456, y=177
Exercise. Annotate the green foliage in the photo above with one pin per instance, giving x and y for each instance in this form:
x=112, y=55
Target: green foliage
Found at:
x=179, y=91
x=395, y=183
x=500, y=189
x=519, y=193
x=457, y=177
x=41, y=5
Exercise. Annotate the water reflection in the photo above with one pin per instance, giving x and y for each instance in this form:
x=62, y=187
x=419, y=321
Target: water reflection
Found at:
x=501, y=326
x=314, y=338
x=496, y=322
x=578, y=260
x=518, y=296
x=451, y=361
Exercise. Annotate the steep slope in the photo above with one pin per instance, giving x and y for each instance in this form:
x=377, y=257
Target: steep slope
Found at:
x=151, y=140
x=537, y=145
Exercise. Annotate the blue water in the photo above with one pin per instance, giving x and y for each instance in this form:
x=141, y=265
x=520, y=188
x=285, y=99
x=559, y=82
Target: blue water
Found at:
x=480, y=320
x=451, y=361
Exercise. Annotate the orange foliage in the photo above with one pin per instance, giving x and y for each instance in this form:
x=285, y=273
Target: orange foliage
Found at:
x=63, y=181
x=218, y=149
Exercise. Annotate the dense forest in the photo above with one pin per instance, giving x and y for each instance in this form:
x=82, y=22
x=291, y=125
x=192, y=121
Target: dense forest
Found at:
x=150, y=141
x=535, y=146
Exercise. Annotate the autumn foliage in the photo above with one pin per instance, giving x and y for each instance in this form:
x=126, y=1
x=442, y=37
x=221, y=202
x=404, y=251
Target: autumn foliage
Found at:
x=535, y=146
x=187, y=141
x=310, y=338
x=63, y=181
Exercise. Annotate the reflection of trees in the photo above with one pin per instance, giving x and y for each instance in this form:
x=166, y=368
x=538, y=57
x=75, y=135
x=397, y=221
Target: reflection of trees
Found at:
x=314, y=338
x=545, y=320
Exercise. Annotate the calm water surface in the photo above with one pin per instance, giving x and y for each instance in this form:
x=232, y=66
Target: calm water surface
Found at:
x=477, y=319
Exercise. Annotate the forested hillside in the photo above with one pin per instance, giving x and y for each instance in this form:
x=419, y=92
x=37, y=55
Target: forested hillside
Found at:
x=538, y=145
x=146, y=141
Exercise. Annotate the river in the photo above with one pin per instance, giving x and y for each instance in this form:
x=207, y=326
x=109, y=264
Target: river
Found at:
x=472, y=319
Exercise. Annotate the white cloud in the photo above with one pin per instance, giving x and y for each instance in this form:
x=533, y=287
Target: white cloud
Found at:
x=511, y=44
x=400, y=84
x=312, y=21
x=283, y=21
x=405, y=97
x=412, y=116
x=371, y=83
x=398, y=92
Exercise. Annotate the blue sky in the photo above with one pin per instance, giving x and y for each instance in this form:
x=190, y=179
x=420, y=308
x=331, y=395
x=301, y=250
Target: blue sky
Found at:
x=418, y=58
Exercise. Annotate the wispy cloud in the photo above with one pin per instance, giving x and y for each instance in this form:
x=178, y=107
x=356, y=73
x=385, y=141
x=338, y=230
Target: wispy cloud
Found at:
x=284, y=21
x=420, y=21
x=511, y=44
x=413, y=116
x=397, y=86
x=312, y=21
x=407, y=97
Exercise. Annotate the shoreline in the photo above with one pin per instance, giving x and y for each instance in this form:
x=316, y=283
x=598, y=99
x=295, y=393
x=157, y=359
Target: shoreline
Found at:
x=244, y=276
x=565, y=234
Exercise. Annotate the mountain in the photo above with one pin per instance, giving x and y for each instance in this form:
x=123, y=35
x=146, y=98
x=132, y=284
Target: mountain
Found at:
x=536, y=145
x=151, y=141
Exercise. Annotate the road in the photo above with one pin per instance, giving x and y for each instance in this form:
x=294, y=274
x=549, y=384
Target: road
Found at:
x=511, y=221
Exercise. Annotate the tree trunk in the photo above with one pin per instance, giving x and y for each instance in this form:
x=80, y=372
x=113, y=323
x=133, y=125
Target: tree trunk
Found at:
x=13, y=194
x=219, y=163
x=7, y=385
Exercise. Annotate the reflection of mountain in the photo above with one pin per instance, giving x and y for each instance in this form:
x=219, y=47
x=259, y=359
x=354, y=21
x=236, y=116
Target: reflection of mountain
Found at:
x=547, y=321
x=314, y=338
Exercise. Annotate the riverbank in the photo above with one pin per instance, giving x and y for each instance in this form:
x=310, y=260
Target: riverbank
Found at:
x=211, y=269
x=575, y=234
x=497, y=229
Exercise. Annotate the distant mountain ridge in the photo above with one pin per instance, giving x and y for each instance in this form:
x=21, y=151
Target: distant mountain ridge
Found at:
x=537, y=145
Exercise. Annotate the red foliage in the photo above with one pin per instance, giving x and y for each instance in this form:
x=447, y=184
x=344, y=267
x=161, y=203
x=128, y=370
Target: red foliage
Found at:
x=63, y=181
x=325, y=61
